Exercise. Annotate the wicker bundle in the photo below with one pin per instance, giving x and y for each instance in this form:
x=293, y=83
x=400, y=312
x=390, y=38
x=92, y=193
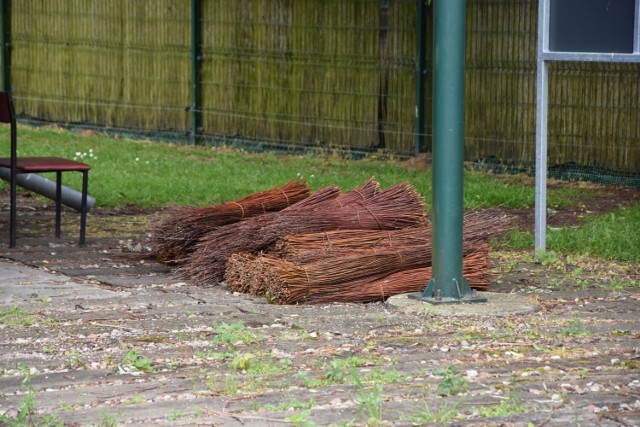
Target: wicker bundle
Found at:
x=284, y=282
x=204, y=262
x=363, y=208
x=304, y=248
x=357, y=267
x=475, y=268
x=309, y=246
x=173, y=238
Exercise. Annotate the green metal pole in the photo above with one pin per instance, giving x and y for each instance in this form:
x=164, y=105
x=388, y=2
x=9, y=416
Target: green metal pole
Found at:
x=196, y=62
x=420, y=75
x=447, y=283
x=5, y=40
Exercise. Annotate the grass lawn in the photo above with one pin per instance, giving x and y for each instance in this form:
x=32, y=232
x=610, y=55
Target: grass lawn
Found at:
x=155, y=175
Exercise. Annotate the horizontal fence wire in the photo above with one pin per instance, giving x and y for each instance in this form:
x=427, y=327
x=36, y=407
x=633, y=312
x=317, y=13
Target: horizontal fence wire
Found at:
x=312, y=74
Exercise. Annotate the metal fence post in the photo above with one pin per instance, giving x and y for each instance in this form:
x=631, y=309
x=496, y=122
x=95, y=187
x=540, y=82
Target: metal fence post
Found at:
x=447, y=284
x=5, y=40
x=196, y=62
x=420, y=74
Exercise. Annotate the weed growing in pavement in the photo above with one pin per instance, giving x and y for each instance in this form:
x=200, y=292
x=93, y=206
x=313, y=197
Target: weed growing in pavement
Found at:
x=109, y=360
x=243, y=362
x=16, y=317
x=271, y=366
x=630, y=364
x=452, y=383
x=512, y=405
x=74, y=360
x=340, y=371
x=547, y=258
x=575, y=329
x=385, y=376
x=336, y=371
x=234, y=334
x=227, y=386
x=618, y=284
x=133, y=359
x=27, y=410
x=301, y=419
x=443, y=414
x=370, y=401
x=107, y=420
x=572, y=278
x=135, y=400
x=176, y=414
x=232, y=383
x=173, y=364
x=65, y=407
x=370, y=398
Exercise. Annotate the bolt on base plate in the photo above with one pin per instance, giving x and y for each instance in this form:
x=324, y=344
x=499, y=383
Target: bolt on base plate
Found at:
x=456, y=294
x=436, y=299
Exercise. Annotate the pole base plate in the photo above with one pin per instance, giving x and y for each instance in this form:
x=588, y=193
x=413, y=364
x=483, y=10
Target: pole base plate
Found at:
x=444, y=300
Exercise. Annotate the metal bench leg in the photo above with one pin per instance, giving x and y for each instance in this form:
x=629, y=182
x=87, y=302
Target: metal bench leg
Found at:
x=83, y=208
x=12, y=212
x=58, y=202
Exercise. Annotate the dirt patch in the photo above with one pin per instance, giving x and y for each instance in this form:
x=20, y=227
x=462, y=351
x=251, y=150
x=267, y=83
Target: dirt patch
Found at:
x=601, y=200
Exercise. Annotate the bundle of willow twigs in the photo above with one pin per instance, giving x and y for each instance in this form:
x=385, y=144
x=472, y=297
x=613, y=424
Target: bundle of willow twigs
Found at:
x=475, y=268
x=367, y=267
x=207, y=263
x=304, y=248
x=284, y=282
x=173, y=239
x=363, y=208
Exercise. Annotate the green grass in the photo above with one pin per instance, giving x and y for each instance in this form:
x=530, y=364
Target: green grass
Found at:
x=154, y=174
x=17, y=317
x=613, y=235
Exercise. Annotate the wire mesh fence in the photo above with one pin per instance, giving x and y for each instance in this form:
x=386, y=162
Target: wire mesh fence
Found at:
x=311, y=74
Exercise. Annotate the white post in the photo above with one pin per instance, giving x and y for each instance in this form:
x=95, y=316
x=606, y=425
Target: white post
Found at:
x=542, y=101
x=541, y=158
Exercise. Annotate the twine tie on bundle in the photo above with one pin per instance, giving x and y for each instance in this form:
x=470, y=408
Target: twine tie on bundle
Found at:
x=241, y=209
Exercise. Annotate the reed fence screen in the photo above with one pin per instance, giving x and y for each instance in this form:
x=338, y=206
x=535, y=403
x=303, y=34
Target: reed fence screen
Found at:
x=307, y=74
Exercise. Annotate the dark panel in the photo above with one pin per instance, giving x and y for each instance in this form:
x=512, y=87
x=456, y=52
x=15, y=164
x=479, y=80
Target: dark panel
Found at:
x=602, y=26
